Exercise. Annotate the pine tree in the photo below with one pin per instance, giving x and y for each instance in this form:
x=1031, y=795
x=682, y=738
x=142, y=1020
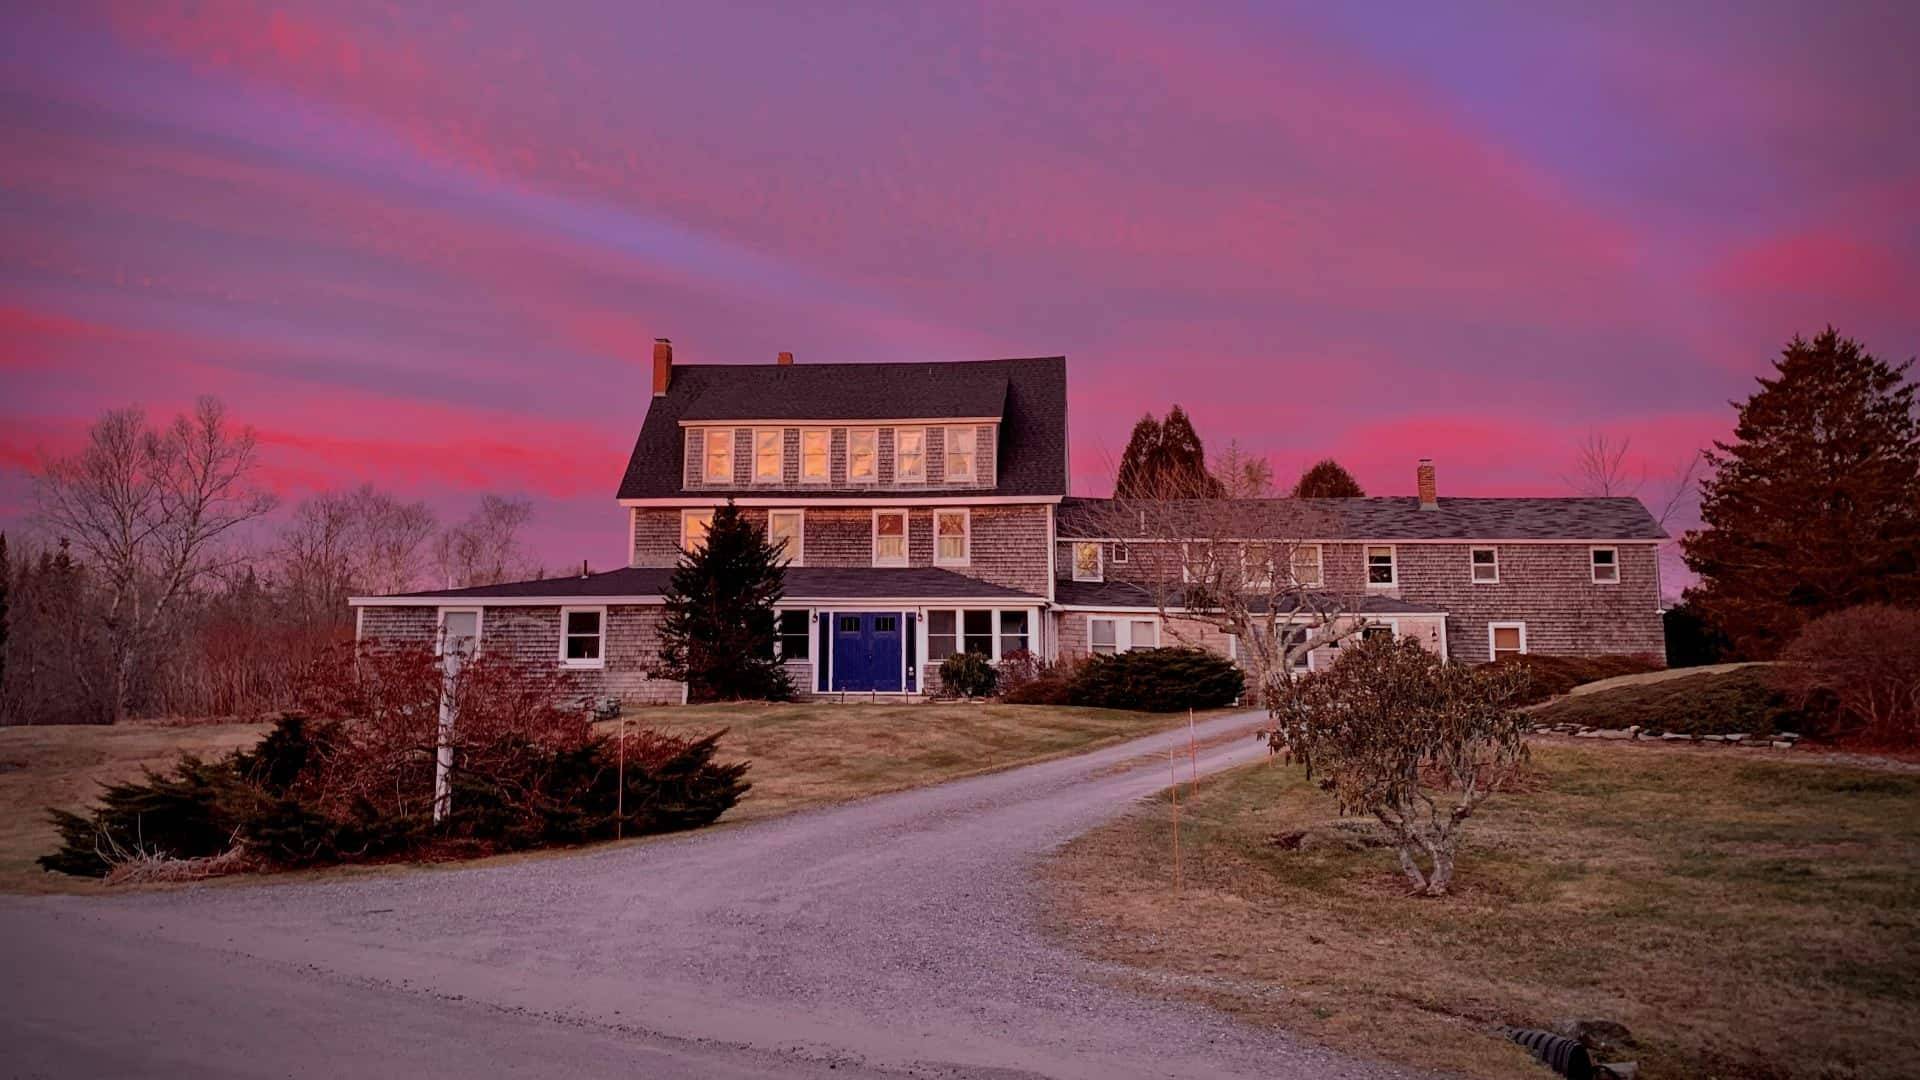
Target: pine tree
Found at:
x=719, y=629
x=1136, y=462
x=1815, y=504
x=1164, y=459
x=1327, y=480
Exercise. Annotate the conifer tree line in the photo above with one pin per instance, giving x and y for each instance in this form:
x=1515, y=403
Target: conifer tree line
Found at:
x=157, y=576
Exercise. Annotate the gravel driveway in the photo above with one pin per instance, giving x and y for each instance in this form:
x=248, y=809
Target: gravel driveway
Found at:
x=888, y=936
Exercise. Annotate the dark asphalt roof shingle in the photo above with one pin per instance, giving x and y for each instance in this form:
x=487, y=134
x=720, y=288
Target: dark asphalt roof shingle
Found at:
x=1391, y=518
x=1125, y=594
x=824, y=582
x=1028, y=395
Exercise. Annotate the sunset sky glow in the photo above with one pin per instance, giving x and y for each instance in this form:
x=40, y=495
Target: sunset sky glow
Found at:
x=430, y=250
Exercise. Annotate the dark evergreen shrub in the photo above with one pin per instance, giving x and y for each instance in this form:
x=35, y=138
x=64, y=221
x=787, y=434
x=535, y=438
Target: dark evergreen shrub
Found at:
x=1157, y=680
x=968, y=674
x=1550, y=676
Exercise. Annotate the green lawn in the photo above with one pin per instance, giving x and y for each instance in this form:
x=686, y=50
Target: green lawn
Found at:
x=1745, y=913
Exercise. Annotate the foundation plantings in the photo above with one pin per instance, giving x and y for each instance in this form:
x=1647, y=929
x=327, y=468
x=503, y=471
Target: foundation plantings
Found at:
x=1395, y=733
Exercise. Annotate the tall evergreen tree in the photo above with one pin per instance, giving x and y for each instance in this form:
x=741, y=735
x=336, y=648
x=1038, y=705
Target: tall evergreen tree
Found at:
x=719, y=629
x=1327, y=480
x=1815, y=504
x=1165, y=459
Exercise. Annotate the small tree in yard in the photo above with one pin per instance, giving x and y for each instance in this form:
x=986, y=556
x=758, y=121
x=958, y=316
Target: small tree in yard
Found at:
x=1865, y=661
x=1393, y=731
x=719, y=630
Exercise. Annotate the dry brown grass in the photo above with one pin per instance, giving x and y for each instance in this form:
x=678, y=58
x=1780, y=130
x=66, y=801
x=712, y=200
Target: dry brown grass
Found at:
x=1745, y=913
x=808, y=754
x=803, y=755
x=64, y=766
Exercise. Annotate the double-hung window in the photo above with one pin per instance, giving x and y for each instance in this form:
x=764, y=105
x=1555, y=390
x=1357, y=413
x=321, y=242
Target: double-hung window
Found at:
x=1606, y=565
x=1486, y=565
x=693, y=528
x=1086, y=562
x=1306, y=564
x=1293, y=641
x=1107, y=636
x=910, y=455
x=583, y=637
x=788, y=527
x=814, y=444
x=861, y=455
x=1256, y=566
x=1381, y=572
x=889, y=538
x=951, y=535
x=766, y=455
x=719, y=456
x=960, y=446
x=795, y=636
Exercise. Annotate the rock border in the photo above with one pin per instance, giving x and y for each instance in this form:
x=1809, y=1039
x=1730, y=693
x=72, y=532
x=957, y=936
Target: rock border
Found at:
x=1779, y=740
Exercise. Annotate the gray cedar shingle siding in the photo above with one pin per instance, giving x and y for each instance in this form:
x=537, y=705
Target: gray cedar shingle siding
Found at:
x=1025, y=455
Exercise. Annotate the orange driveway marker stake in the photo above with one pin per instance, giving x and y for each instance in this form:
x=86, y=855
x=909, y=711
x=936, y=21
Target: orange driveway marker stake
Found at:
x=1173, y=773
x=1193, y=751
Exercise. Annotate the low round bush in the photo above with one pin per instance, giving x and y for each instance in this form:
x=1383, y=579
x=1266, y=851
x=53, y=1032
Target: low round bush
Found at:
x=968, y=674
x=1157, y=680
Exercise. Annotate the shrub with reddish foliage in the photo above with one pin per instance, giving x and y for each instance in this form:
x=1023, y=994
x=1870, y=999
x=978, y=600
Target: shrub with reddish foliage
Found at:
x=1026, y=679
x=1550, y=676
x=1863, y=663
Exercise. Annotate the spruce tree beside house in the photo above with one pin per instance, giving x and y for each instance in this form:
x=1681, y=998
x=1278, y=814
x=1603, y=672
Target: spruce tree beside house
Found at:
x=719, y=630
x=1815, y=504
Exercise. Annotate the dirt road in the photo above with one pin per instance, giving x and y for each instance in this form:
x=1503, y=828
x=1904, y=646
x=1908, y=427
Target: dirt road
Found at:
x=896, y=935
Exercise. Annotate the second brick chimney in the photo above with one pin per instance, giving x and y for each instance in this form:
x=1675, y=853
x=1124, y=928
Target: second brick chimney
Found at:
x=662, y=365
x=1429, y=490
x=785, y=359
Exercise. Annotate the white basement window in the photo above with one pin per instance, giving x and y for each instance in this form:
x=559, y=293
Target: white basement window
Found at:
x=719, y=456
x=1381, y=572
x=813, y=455
x=1505, y=639
x=960, y=445
x=583, y=637
x=1606, y=565
x=1486, y=565
x=889, y=538
x=951, y=537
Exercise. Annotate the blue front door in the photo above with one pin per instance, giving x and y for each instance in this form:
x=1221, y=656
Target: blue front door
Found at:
x=867, y=651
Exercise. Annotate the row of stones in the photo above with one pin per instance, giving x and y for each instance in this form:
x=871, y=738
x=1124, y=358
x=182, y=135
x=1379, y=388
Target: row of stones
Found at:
x=1782, y=740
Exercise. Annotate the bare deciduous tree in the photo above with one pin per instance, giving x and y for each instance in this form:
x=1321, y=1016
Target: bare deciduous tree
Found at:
x=149, y=511
x=1417, y=743
x=486, y=548
x=1600, y=467
x=1243, y=475
x=339, y=543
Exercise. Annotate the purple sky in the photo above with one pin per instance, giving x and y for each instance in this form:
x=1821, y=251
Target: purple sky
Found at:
x=430, y=250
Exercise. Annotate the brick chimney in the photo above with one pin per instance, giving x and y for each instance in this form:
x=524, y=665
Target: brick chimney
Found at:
x=662, y=365
x=785, y=359
x=1429, y=490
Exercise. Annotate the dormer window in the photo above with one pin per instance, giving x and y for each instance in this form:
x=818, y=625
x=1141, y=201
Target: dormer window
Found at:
x=910, y=456
x=861, y=455
x=766, y=455
x=719, y=456
x=960, y=446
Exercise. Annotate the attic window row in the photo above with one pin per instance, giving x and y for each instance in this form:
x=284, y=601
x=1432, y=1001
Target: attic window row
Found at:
x=959, y=455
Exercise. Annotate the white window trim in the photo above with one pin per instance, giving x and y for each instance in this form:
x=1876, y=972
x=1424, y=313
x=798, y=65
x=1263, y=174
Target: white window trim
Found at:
x=779, y=455
x=1492, y=626
x=686, y=517
x=899, y=476
x=706, y=456
x=1119, y=554
x=1473, y=568
x=1127, y=621
x=906, y=534
x=780, y=640
x=925, y=631
x=826, y=455
x=1393, y=564
x=440, y=627
x=797, y=554
x=966, y=537
x=973, y=455
x=873, y=437
x=583, y=665
x=1319, y=564
x=1593, y=566
x=1099, y=560
x=1392, y=626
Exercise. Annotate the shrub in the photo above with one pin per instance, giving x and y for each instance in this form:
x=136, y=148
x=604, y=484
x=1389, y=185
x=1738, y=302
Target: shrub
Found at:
x=1032, y=681
x=357, y=781
x=1551, y=676
x=1157, y=680
x=968, y=674
x=1864, y=662
x=1711, y=703
x=1399, y=735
